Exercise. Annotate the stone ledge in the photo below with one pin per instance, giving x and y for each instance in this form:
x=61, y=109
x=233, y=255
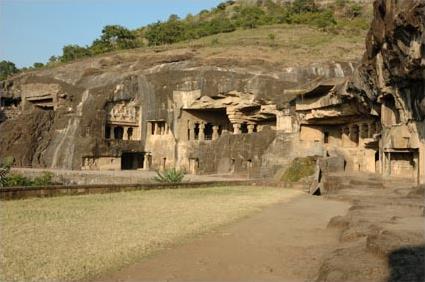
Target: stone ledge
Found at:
x=17, y=193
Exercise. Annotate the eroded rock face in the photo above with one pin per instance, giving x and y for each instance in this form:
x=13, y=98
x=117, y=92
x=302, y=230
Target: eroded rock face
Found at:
x=159, y=110
x=375, y=119
x=394, y=62
x=391, y=79
x=154, y=112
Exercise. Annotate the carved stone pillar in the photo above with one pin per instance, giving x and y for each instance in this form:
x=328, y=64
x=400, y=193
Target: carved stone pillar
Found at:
x=372, y=129
x=112, y=132
x=345, y=137
x=215, y=132
x=125, y=133
x=157, y=128
x=191, y=131
x=165, y=129
x=236, y=128
x=365, y=130
x=354, y=134
x=251, y=128
x=146, y=162
x=149, y=128
x=202, y=131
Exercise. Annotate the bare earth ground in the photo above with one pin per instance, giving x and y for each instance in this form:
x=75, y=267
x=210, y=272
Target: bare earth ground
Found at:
x=380, y=238
x=82, y=237
x=285, y=242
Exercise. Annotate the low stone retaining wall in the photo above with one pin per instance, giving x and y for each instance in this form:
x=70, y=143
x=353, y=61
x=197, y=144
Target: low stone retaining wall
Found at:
x=16, y=193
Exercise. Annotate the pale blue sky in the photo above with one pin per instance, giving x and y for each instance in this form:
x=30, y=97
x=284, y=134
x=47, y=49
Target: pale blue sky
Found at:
x=33, y=30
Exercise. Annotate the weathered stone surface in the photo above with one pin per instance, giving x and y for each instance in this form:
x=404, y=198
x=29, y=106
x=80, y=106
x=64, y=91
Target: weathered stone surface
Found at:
x=167, y=90
x=158, y=110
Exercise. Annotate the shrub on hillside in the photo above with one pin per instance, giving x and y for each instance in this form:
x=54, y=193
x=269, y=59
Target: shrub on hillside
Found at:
x=44, y=179
x=322, y=20
x=18, y=180
x=5, y=165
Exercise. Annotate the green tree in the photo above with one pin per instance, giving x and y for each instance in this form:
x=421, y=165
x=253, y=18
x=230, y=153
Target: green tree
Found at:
x=53, y=59
x=38, y=65
x=118, y=37
x=303, y=6
x=6, y=69
x=73, y=52
x=250, y=17
x=165, y=33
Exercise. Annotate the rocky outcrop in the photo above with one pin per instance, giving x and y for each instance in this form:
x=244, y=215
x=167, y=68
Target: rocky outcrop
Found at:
x=166, y=88
x=394, y=61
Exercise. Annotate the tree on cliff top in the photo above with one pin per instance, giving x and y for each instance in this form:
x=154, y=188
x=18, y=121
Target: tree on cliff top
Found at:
x=7, y=68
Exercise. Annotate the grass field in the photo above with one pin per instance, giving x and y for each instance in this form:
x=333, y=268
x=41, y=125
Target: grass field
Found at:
x=78, y=238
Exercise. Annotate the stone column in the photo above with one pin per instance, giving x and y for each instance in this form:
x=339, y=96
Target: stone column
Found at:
x=353, y=132
x=236, y=128
x=344, y=136
x=369, y=130
x=251, y=128
x=215, y=132
x=201, y=131
x=125, y=133
x=112, y=132
x=373, y=129
x=157, y=128
x=146, y=162
x=148, y=128
x=165, y=129
x=191, y=131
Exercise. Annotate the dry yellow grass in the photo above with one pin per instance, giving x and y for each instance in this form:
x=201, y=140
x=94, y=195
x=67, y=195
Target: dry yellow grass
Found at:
x=77, y=238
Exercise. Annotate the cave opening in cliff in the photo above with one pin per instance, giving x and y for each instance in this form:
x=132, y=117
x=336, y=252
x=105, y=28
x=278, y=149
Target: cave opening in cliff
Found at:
x=244, y=128
x=402, y=163
x=390, y=115
x=132, y=161
x=118, y=132
x=43, y=102
x=206, y=124
x=130, y=133
x=208, y=131
x=10, y=102
x=107, y=132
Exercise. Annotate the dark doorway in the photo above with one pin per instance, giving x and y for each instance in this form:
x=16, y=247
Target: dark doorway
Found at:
x=244, y=127
x=326, y=137
x=196, y=131
x=107, y=132
x=132, y=161
x=118, y=132
x=208, y=131
x=130, y=133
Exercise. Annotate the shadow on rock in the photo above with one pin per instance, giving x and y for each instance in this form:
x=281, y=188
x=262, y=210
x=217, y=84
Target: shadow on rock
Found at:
x=407, y=264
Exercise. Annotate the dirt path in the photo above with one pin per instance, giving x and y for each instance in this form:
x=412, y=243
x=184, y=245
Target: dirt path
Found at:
x=285, y=242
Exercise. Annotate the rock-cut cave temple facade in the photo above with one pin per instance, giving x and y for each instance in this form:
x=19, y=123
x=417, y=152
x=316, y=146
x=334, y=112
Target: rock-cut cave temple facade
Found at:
x=133, y=112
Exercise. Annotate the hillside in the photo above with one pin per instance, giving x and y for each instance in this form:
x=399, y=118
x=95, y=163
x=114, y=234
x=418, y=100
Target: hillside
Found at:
x=298, y=28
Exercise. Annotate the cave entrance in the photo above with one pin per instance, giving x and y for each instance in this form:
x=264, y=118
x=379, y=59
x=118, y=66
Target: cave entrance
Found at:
x=402, y=163
x=132, y=161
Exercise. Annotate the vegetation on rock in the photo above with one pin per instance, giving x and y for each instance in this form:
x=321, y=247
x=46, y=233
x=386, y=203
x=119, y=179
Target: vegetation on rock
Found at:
x=170, y=176
x=5, y=166
x=299, y=168
x=6, y=69
x=18, y=180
